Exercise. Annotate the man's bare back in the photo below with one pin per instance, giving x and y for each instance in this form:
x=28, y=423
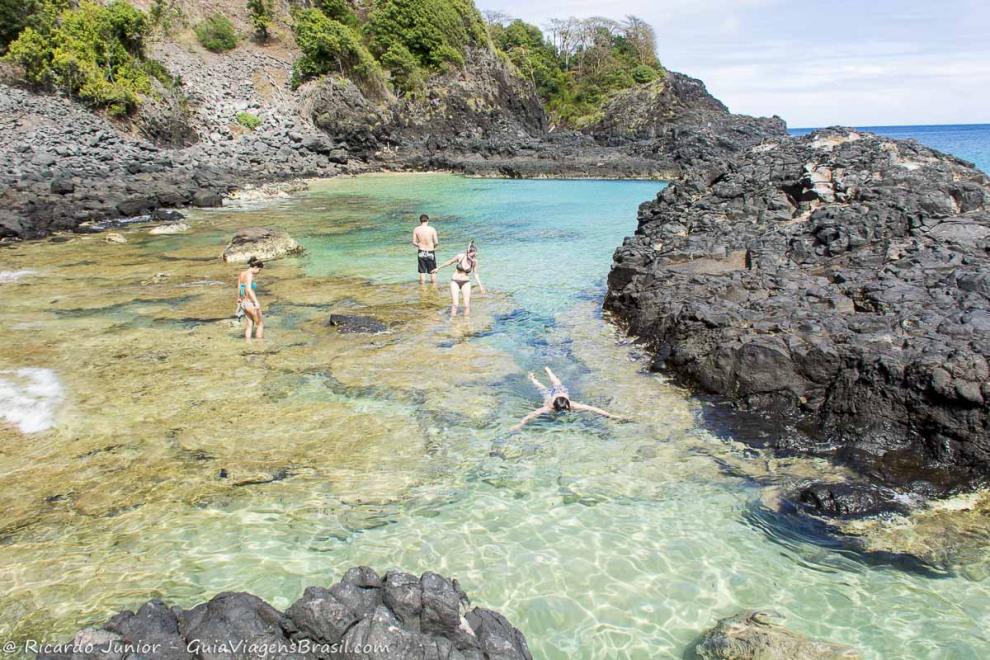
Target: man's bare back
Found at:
x=426, y=241
x=425, y=238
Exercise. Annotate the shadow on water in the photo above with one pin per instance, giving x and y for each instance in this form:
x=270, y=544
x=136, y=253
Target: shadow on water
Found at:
x=796, y=532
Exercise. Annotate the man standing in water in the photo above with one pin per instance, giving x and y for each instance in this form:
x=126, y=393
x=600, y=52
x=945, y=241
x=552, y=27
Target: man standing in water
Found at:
x=426, y=241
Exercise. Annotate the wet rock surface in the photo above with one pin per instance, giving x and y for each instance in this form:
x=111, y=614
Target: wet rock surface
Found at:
x=755, y=636
x=264, y=243
x=354, y=324
x=837, y=282
x=362, y=616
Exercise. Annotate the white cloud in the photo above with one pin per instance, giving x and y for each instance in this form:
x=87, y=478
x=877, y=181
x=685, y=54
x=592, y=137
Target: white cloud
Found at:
x=817, y=62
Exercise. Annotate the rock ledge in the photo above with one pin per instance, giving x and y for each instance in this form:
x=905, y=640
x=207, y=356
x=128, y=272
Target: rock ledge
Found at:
x=362, y=616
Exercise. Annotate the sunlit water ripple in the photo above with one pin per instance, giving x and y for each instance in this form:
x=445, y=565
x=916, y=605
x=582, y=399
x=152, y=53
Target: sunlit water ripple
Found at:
x=597, y=539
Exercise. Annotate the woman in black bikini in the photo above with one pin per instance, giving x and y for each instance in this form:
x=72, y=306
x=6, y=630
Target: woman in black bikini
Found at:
x=556, y=399
x=464, y=264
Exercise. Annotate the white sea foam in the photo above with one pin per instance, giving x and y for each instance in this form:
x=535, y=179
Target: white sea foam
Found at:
x=30, y=398
x=7, y=276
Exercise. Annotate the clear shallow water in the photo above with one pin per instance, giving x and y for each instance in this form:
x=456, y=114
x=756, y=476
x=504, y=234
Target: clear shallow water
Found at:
x=967, y=141
x=597, y=539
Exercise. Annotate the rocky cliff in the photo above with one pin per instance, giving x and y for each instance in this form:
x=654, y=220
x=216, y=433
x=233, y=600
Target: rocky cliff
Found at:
x=677, y=121
x=65, y=166
x=838, y=281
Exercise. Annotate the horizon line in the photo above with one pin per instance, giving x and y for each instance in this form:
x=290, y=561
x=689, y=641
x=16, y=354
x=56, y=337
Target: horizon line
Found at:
x=804, y=128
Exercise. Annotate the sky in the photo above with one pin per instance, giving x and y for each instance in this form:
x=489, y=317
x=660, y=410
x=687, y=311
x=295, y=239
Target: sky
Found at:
x=816, y=62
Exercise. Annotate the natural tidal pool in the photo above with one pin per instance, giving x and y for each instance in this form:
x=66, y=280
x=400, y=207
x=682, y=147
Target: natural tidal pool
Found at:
x=125, y=390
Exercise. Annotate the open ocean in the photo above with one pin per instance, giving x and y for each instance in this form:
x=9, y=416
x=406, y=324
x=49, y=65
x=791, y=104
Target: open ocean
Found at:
x=967, y=141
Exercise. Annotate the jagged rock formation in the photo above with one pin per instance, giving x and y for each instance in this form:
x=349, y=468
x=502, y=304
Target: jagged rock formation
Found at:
x=398, y=616
x=677, y=121
x=839, y=280
x=755, y=636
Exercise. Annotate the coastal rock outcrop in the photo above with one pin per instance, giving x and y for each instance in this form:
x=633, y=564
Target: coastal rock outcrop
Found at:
x=754, y=636
x=837, y=281
x=265, y=243
x=677, y=121
x=396, y=616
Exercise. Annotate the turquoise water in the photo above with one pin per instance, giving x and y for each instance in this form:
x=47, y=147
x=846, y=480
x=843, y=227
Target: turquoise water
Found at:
x=967, y=141
x=598, y=539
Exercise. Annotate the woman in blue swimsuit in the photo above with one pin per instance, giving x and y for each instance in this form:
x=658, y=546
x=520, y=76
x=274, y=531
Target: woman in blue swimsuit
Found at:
x=556, y=400
x=248, y=301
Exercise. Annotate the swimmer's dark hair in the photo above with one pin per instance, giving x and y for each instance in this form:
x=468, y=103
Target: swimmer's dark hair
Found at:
x=424, y=218
x=255, y=262
x=561, y=403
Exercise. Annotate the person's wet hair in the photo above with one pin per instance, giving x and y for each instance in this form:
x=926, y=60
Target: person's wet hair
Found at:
x=561, y=404
x=255, y=262
x=472, y=247
x=424, y=218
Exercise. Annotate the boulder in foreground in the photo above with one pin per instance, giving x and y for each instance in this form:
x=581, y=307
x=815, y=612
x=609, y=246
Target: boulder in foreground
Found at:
x=265, y=243
x=397, y=616
x=754, y=636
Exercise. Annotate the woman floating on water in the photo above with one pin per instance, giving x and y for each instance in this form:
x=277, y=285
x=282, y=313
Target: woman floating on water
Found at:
x=464, y=264
x=555, y=399
x=248, y=301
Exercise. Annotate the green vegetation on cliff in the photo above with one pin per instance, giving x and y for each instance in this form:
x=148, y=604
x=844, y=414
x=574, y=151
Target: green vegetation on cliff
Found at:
x=217, y=33
x=409, y=38
x=92, y=51
x=329, y=46
x=582, y=62
x=575, y=68
x=95, y=51
x=262, y=16
x=13, y=18
x=434, y=32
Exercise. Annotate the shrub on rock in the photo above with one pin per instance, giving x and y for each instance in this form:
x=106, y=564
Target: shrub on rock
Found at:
x=329, y=46
x=248, y=120
x=262, y=16
x=217, y=33
x=92, y=51
x=436, y=32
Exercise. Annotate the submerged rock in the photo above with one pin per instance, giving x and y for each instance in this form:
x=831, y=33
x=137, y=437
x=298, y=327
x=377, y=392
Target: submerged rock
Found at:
x=349, y=324
x=753, y=636
x=170, y=228
x=115, y=237
x=398, y=617
x=848, y=500
x=837, y=281
x=265, y=243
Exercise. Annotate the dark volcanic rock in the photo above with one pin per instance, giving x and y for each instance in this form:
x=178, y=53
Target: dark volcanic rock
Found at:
x=401, y=617
x=677, y=121
x=839, y=280
x=348, y=324
x=848, y=500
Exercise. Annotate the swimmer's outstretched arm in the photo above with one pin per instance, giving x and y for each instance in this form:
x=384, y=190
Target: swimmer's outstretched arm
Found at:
x=598, y=411
x=542, y=410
